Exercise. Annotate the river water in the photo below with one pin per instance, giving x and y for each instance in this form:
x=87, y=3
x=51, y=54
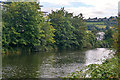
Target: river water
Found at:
x=50, y=64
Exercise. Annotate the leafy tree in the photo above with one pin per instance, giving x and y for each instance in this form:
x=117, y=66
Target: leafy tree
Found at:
x=90, y=40
x=116, y=37
x=23, y=22
x=69, y=29
x=109, y=37
x=24, y=25
x=47, y=35
x=64, y=36
x=80, y=29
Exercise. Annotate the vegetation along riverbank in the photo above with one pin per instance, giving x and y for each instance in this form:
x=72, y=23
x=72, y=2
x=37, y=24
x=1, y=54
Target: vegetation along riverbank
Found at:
x=25, y=26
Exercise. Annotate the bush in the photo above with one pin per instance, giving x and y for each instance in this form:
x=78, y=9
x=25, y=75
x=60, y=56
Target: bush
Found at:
x=108, y=69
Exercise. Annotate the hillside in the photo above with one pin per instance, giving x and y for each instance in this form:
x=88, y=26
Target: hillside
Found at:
x=101, y=23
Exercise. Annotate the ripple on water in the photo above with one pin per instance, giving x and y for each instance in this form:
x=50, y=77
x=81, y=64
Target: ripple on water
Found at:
x=51, y=65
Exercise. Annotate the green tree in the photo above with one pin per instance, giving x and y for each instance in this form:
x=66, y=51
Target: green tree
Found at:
x=64, y=36
x=47, y=39
x=23, y=25
x=70, y=29
x=80, y=29
x=23, y=22
x=109, y=37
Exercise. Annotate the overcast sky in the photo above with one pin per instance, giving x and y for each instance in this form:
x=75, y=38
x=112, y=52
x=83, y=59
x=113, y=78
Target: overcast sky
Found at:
x=89, y=8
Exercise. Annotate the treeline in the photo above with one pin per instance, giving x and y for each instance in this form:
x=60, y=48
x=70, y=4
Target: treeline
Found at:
x=25, y=26
x=71, y=30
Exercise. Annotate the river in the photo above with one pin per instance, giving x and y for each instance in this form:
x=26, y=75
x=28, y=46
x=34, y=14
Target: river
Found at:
x=50, y=64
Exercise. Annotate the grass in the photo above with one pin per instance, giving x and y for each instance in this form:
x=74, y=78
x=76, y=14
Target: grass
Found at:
x=101, y=26
x=95, y=23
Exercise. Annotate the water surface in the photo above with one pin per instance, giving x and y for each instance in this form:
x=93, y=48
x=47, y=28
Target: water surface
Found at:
x=50, y=64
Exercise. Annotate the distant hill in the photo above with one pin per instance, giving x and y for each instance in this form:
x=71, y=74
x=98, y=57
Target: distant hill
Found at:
x=101, y=23
x=112, y=18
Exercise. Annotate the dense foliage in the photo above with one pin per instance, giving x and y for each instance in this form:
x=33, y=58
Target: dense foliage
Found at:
x=64, y=35
x=109, y=37
x=108, y=69
x=71, y=31
x=23, y=26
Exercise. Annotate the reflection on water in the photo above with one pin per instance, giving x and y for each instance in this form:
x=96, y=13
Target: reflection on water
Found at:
x=49, y=65
x=96, y=56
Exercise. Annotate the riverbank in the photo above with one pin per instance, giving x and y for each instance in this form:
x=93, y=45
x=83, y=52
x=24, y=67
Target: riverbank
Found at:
x=109, y=69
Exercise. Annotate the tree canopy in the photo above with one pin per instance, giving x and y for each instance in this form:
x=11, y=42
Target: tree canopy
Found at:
x=24, y=25
x=70, y=29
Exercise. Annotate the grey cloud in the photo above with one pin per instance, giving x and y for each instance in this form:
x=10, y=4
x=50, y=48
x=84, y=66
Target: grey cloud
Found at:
x=119, y=8
x=98, y=12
